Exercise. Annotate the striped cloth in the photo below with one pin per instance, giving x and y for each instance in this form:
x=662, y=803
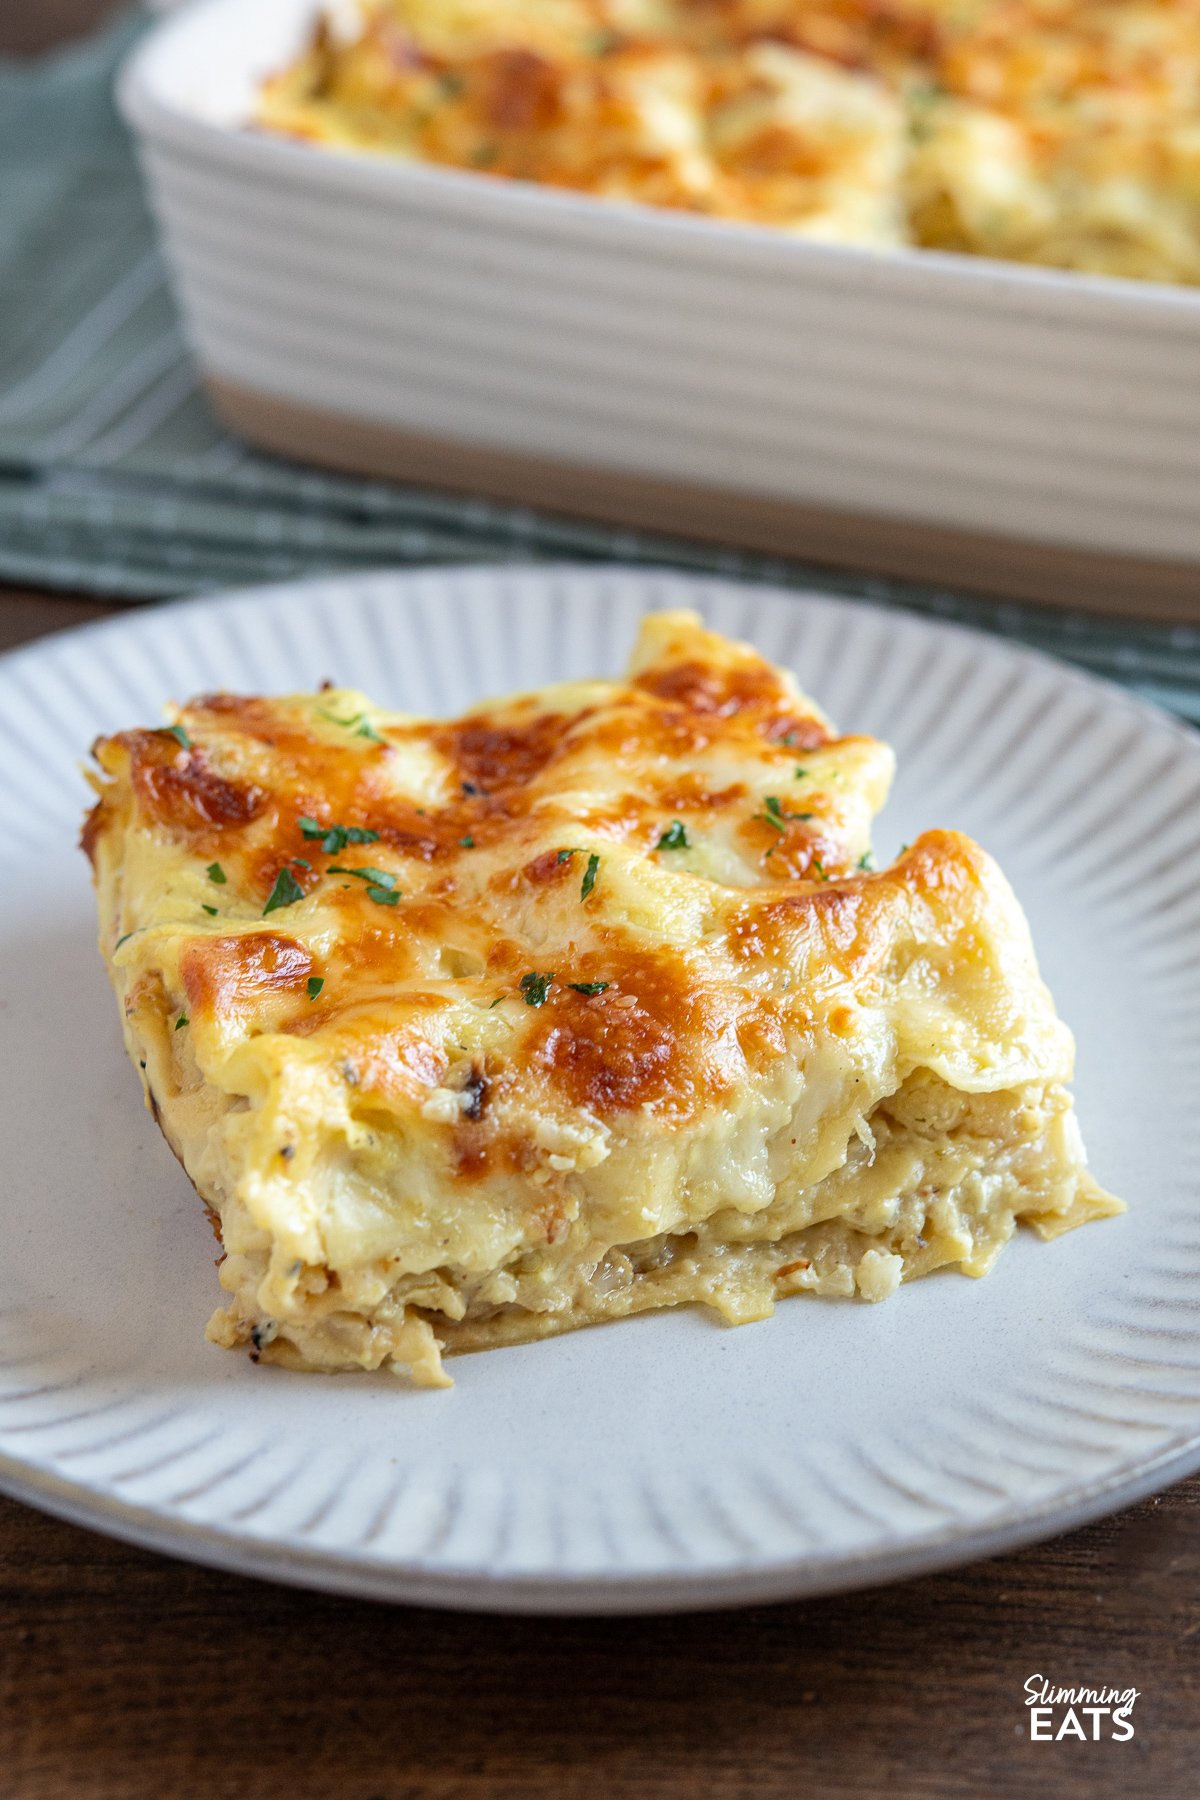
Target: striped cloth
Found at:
x=116, y=479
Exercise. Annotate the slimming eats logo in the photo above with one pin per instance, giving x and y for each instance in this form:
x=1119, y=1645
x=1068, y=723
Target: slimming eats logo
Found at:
x=1056, y=1712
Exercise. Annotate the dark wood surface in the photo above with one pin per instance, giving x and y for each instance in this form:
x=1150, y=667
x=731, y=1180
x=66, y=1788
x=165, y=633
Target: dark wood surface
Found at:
x=29, y=26
x=124, y=1674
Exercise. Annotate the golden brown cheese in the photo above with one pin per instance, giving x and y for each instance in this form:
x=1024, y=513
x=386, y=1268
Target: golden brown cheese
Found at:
x=1053, y=131
x=585, y=1002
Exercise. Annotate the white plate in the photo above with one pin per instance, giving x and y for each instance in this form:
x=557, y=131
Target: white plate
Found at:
x=666, y=1461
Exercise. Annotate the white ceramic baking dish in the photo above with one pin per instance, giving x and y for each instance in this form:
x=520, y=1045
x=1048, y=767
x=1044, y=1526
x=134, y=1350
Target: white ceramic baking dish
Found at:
x=1011, y=428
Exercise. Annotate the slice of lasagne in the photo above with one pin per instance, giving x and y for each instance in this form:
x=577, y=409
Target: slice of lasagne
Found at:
x=587, y=1002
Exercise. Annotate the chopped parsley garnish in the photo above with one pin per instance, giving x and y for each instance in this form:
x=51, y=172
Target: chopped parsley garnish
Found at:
x=799, y=773
x=866, y=860
x=904, y=849
x=181, y=1021
x=377, y=877
x=788, y=739
x=589, y=987
x=360, y=725
x=179, y=734
x=122, y=940
x=469, y=787
x=675, y=837
x=775, y=817
x=286, y=892
x=299, y=862
x=819, y=866
x=565, y=856
x=467, y=843
x=381, y=887
x=535, y=987
x=334, y=838
x=210, y=910
x=315, y=984
x=497, y=1001
x=216, y=873
x=589, y=876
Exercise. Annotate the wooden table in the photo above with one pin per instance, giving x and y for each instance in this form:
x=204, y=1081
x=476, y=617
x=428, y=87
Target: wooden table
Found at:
x=124, y=1674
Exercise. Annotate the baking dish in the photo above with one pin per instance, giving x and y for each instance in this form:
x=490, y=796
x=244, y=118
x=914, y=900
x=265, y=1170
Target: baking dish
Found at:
x=1009, y=428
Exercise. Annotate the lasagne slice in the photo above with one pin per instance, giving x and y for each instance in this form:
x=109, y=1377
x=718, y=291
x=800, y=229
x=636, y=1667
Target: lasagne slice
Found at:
x=587, y=1002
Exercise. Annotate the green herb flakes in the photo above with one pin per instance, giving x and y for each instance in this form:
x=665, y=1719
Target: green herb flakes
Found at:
x=210, y=910
x=866, y=860
x=381, y=887
x=216, y=873
x=377, y=877
x=360, y=725
x=535, y=987
x=179, y=734
x=467, y=843
x=286, y=892
x=315, y=984
x=181, y=1021
x=774, y=815
x=675, y=837
x=122, y=940
x=334, y=838
x=589, y=987
x=589, y=876
x=565, y=856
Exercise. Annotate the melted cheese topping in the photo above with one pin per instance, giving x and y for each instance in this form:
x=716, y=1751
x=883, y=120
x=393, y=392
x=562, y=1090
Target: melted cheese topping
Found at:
x=1052, y=131
x=586, y=1001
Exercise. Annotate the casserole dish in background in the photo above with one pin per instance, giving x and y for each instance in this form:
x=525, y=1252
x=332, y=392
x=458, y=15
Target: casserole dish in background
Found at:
x=995, y=426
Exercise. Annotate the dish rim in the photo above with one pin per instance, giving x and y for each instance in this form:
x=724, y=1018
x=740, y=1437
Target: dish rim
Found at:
x=466, y=1589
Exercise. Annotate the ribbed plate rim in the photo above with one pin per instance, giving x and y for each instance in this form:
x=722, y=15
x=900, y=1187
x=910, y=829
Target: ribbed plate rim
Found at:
x=470, y=1588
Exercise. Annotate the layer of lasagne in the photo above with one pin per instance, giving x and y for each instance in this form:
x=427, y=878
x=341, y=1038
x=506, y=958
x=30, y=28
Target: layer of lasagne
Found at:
x=586, y=1002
